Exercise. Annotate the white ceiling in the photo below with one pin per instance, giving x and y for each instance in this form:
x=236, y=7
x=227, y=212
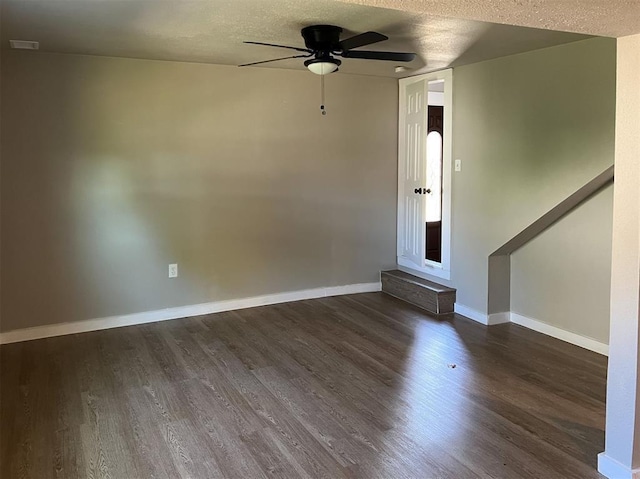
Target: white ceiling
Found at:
x=606, y=18
x=212, y=31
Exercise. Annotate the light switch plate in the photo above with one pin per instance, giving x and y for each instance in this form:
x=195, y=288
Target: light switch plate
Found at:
x=458, y=165
x=173, y=270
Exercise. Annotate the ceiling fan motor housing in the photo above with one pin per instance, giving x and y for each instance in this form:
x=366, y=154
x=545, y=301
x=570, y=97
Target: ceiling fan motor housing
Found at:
x=322, y=37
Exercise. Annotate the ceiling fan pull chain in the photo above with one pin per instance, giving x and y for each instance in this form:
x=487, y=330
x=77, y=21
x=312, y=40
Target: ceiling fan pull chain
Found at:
x=324, y=112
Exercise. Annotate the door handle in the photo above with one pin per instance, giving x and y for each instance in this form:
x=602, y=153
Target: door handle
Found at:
x=418, y=191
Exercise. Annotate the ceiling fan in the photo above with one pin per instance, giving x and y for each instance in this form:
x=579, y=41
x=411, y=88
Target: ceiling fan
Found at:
x=323, y=42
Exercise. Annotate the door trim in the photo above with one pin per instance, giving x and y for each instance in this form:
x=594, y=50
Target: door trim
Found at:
x=443, y=269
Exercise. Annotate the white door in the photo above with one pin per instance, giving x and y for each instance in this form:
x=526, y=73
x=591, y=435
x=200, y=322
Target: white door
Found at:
x=412, y=177
x=416, y=207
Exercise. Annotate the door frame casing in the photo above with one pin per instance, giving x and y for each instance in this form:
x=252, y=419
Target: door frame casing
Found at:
x=443, y=269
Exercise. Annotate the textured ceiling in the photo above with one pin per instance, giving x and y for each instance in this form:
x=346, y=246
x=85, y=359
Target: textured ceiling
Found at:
x=605, y=18
x=212, y=31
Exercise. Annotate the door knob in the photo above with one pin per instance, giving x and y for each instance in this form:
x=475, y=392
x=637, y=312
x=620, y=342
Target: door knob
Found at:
x=418, y=191
x=427, y=191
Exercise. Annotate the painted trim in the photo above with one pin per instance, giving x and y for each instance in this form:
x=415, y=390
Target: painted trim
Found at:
x=563, y=335
x=612, y=469
x=471, y=313
x=535, y=325
x=447, y=167
x=427, y=270
x=61, y=329
x=499, y=318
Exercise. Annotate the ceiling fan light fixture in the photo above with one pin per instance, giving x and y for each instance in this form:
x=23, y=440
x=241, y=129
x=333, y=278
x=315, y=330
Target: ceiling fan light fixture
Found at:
x=323, y=66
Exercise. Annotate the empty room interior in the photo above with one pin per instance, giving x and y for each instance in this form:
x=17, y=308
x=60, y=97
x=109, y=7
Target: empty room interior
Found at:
x=319, y=239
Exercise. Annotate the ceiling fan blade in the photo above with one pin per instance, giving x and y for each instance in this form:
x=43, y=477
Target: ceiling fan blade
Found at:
x=361, y=40
x=388, y=56
x=274, y=60
x=280, y=46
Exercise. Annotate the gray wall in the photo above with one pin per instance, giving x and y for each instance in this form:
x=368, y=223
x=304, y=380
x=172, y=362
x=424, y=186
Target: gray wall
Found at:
x=530, y=130
x=113, y=168
x=563, y=277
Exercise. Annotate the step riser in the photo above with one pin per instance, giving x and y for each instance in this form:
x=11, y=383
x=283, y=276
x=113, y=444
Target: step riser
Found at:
x=436, y=302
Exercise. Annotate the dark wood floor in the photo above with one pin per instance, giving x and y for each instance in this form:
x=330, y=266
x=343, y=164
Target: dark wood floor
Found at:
x=354, y=386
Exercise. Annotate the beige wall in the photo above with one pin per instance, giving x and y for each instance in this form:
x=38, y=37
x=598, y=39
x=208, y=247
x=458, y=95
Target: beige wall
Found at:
x=531, y=129
x=114, y=168
x=563, y=276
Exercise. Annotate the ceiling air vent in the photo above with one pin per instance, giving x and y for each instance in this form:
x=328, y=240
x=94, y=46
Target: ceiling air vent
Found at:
x=24, y=45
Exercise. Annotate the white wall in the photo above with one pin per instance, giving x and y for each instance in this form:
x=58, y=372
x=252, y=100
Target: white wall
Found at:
x=621, y=458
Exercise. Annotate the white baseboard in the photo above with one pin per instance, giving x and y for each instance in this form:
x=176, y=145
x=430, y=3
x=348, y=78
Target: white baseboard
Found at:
x=612, y=469
x=568, y=336
x=499, y=318
x=61, y=329
x=544, y=328
x=482, y=318
x=471, y=313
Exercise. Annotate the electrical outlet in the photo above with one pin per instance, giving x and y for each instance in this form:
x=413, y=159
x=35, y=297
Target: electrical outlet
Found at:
x=458, y=165
x=173, y=271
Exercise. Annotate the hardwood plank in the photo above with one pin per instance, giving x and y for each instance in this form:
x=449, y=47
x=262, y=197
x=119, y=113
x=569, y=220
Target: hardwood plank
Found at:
x=357, y=386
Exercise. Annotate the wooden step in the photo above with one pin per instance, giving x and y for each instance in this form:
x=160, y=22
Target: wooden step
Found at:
x=434, y=297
